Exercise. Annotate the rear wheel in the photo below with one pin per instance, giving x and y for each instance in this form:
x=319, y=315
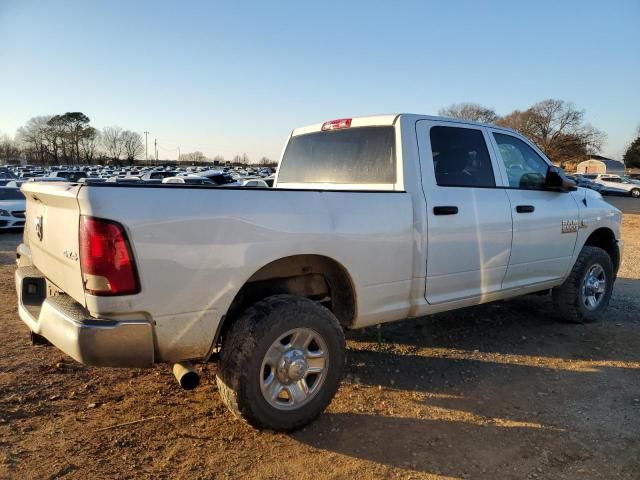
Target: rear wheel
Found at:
x=281, y=362
x=585, y=294
x=635, y=193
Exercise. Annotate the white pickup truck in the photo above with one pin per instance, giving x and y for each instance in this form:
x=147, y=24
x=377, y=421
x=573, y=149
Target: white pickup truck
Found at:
x=371, y=220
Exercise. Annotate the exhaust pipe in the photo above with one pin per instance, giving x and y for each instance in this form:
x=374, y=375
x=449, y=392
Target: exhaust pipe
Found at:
x=186, y=376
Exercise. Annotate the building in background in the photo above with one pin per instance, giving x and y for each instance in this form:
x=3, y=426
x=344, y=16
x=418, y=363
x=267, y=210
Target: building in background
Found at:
x=600, y=164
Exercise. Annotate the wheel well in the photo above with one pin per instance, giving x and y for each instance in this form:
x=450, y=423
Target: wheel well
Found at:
x=316, y=277
x=606, y=240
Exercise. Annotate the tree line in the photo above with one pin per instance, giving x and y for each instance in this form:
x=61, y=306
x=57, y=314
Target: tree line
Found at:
x=69, y=138
x=557, y=127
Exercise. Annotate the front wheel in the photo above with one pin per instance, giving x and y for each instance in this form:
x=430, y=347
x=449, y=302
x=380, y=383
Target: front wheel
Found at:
x=281, y=363
x=635, y=193
x=585, y=294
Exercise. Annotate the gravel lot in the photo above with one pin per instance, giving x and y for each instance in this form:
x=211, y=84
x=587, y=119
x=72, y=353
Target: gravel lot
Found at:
x=498, y=391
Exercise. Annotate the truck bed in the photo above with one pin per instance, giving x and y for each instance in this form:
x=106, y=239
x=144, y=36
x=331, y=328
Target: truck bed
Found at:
x=205, y=243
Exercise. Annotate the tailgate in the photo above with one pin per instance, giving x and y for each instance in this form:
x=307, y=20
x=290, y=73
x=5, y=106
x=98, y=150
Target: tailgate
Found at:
x=51, y=231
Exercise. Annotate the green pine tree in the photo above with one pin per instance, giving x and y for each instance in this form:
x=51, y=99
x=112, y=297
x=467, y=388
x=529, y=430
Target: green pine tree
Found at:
x=631, y=157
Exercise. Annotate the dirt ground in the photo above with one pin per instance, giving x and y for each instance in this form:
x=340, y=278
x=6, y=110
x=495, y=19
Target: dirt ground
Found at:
x=497, y=391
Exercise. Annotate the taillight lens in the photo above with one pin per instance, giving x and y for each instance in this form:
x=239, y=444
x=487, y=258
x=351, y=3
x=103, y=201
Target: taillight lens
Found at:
x=105, y=258
x=336, y=124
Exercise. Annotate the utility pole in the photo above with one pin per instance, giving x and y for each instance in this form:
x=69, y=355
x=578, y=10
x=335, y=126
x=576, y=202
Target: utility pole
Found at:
x=155, y=145
x=146, y=141
x=178, y=153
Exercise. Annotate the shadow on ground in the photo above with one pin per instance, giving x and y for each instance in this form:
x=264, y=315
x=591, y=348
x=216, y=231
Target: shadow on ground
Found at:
x=464, y=393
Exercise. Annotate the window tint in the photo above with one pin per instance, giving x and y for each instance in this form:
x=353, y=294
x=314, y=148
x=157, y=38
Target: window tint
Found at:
x=353, y=155
x=525, y=168
x=461, y=158
x=11, y=194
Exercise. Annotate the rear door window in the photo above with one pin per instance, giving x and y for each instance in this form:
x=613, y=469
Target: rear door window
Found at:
x=351, y=156
x=461, y=158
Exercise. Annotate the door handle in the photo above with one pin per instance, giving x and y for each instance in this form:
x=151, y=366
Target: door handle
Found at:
x=525, y=208
x=445, y=210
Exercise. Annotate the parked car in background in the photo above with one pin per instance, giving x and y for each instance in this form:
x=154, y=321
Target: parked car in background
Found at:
x=269, y=180
x=47, y=179
x=631, y=179
x=618, y=184
x=219, y=178
x=159, y=175
x=585, y=182
x=188, y=180
x=14, y=183
x=255, y=182
x=69, y=175
x=12, y=208
x=6, y=174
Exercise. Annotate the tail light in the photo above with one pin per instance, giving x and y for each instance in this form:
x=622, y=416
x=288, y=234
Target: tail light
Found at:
x=105, y=258
x=336, y=124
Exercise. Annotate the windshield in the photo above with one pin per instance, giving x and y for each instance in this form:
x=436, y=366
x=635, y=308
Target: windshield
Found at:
x=354, y=155
x=11, y=194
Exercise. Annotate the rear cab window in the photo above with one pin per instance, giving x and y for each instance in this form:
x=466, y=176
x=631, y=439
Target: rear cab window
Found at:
x=359, y=158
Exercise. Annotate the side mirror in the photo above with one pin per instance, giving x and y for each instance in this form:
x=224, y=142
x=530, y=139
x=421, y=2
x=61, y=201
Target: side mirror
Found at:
x=556, y=180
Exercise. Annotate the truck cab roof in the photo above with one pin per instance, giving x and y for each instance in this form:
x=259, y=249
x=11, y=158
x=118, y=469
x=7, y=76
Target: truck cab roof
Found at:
x=391, y=119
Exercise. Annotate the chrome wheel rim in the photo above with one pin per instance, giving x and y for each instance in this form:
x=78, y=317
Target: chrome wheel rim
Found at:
x=594, y=287
x=294, y=369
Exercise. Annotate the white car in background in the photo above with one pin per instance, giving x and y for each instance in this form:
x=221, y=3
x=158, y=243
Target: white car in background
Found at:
x=618, y=184
x=12, y=207
x=255, y=182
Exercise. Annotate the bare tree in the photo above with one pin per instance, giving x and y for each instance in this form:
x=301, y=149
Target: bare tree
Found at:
x=132, y=145
x=55, y=138
x=34, y=140
x=267, y=162
x=112, y=142
x=558, y=128
x=9, y=148
x=65, y=132
x=469, y=111
x=89, y=144
x=193, y=157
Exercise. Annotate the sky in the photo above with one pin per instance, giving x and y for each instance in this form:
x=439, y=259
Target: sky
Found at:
x=232, y=77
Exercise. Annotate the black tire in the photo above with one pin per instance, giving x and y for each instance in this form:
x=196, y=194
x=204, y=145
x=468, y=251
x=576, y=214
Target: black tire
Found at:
x=568, y=298
x=635, y=193
x=240, y=368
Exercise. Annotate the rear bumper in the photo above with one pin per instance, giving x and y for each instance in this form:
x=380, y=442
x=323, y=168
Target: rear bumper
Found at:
x=68, y=326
